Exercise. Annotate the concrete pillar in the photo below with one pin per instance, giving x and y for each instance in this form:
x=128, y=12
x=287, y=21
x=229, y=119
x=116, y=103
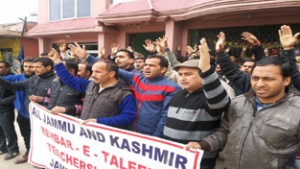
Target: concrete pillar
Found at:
x=44, y=45
x=173, y=32
x=106, y=39
x=41, y=45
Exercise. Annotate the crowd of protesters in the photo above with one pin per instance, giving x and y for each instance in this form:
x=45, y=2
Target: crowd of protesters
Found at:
x=205, y=100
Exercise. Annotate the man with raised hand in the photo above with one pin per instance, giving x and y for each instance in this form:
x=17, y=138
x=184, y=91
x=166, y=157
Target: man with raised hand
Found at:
x=153, y=93
x=35, y=89
x=240, y=80
x=261, y=128
x=195, y=111
x=106, y=101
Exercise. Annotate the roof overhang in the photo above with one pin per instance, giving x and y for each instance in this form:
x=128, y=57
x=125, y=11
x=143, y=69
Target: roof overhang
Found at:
x=198, y=9
x=65, y=27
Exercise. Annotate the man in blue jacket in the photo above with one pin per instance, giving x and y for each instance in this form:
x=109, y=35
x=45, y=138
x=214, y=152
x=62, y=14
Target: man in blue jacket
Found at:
x=152, y=90
x=19, y=103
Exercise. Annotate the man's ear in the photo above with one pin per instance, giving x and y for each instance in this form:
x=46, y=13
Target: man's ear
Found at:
x=49, y=67
x=89, y=73
x=72, y=71
x=112, y=74
x=163, y=70
x=287, y=81
x=131, y=61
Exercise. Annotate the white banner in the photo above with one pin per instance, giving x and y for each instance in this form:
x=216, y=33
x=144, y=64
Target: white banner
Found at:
x=60, y=141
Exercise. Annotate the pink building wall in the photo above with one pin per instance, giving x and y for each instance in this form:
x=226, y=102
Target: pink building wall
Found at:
x=98, y=6
x=45, y=42
x=30, y=47
x=176, y=29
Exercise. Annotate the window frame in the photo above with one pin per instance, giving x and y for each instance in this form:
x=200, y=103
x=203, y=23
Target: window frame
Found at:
x=62, y=11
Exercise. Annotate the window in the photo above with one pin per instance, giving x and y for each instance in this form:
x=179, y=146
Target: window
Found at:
x=83, y=8
x=68, y=8
x=65, y=9
x=54, y=10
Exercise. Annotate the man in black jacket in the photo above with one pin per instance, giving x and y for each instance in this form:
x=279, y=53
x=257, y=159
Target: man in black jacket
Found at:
x=8, y=136
x=195, y=111
x=37, y=86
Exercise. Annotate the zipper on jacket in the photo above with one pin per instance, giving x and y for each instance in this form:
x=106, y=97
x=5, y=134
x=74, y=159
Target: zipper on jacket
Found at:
x=97, y=93
x=253, y=117
x=244, y=140
x=57, y=96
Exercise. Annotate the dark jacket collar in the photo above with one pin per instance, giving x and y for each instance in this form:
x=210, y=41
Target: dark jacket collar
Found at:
x=47, y=74
x=199, y=90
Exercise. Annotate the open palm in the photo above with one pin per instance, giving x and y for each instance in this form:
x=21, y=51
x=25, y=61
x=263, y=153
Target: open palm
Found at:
x=287, y=39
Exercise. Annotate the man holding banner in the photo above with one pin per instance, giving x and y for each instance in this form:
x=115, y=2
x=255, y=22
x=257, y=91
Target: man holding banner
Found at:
x=106, y=101
x=195, y=111
x=261, y=128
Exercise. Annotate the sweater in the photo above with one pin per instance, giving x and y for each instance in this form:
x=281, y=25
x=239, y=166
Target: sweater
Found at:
x=152, y=98
x=192, y=116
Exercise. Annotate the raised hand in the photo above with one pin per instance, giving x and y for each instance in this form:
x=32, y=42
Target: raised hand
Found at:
x=287, y=39
x=204, y=63
x=102, y=53
x=161, y=45
x=178, y=48
x=220, y=43
x=78, y=51
x=250, y=38
x=189, y=50
x=227, y=50
x=54, y=56
x=114, y=49
x=130, y=48
x=62, y=45
x=150, y=47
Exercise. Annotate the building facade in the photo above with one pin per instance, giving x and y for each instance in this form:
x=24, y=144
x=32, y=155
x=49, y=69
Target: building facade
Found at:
x=96, y=24
x=12, y=38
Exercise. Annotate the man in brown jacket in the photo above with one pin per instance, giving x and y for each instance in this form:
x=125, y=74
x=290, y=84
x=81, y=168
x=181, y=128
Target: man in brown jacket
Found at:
x=261, y=129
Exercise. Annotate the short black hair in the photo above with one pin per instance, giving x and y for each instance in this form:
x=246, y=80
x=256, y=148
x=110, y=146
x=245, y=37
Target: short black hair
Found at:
x=110, y=66
x=247, y=60
x=163, y=61
x=281, y=62
x=70, y=64
x=45, y=61
x=28, y=60
x=88, y=67
x=6, y=64
x=44, y=53
x=130, y=54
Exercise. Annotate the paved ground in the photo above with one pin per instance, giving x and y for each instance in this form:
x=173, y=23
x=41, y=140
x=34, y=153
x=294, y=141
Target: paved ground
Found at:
x=9, y=164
